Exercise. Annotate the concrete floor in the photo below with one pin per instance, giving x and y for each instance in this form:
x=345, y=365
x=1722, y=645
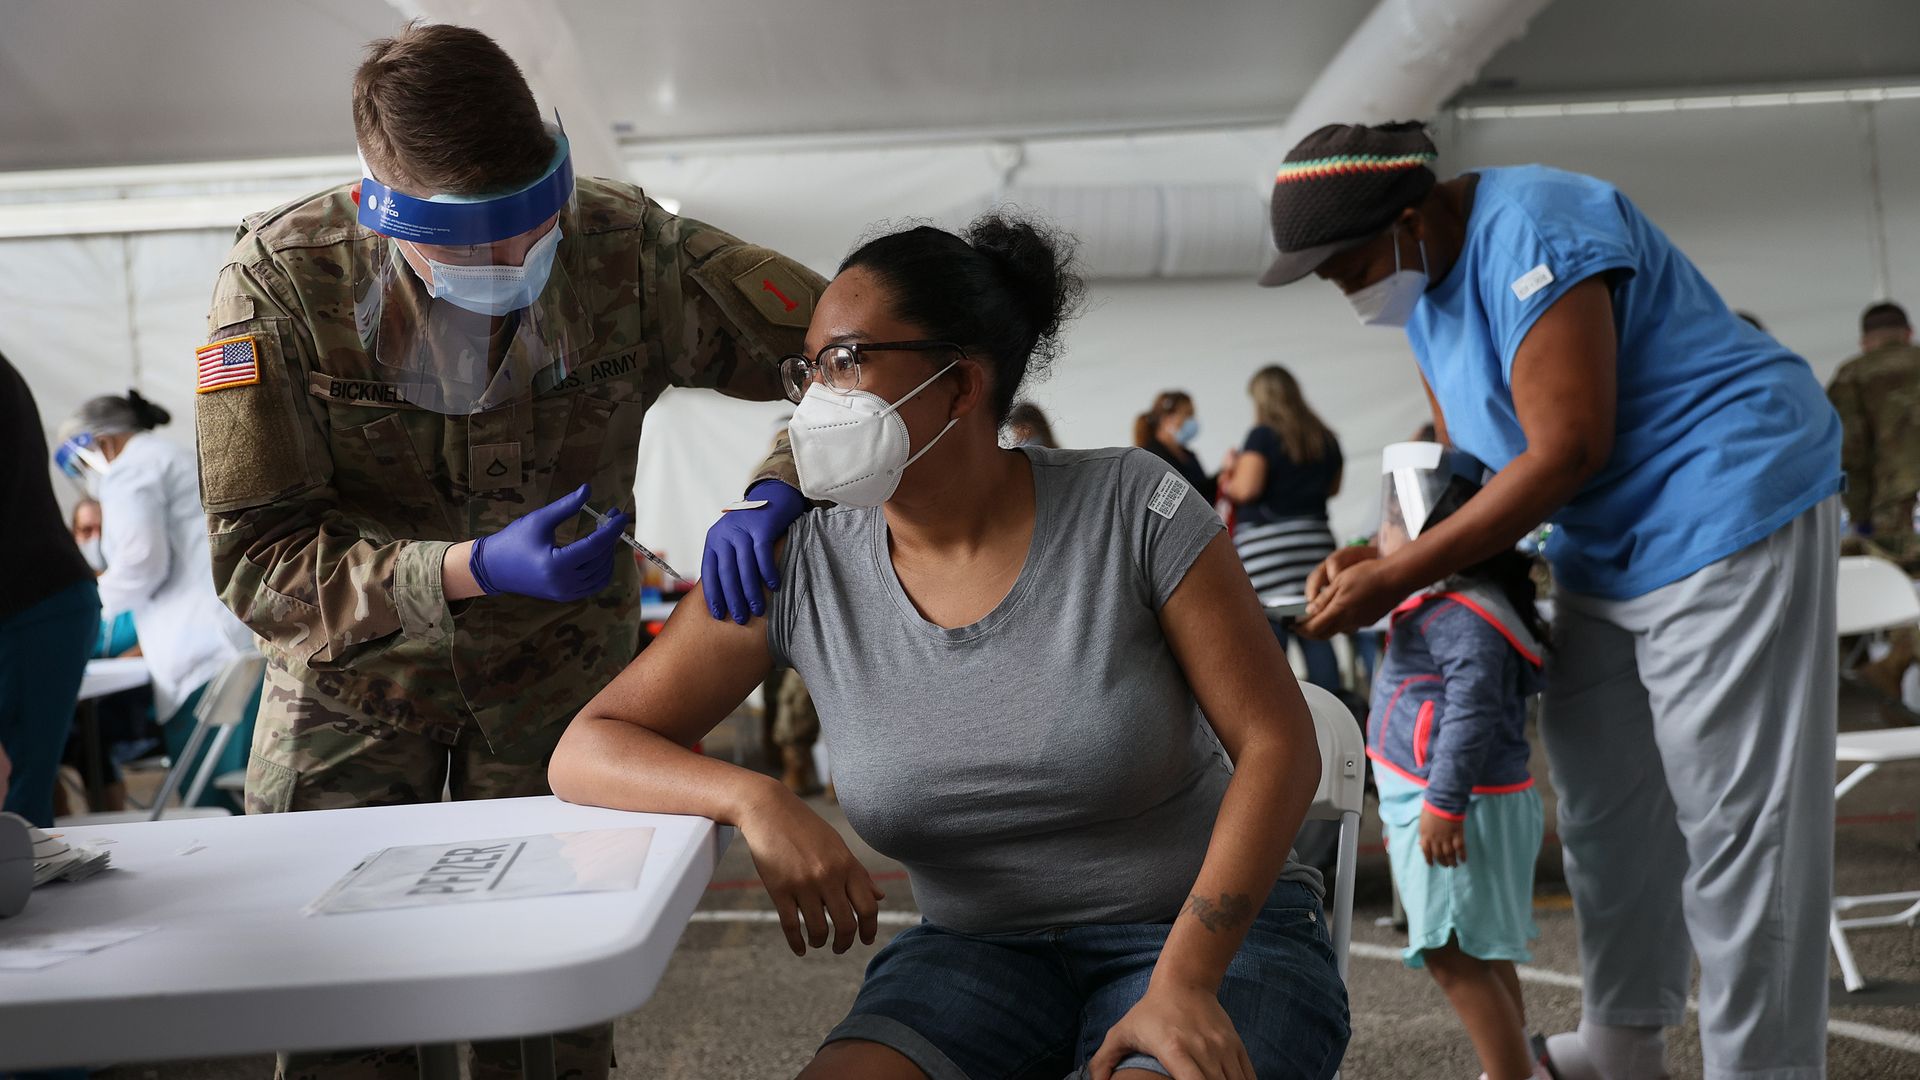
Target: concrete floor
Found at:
x=735, y=1003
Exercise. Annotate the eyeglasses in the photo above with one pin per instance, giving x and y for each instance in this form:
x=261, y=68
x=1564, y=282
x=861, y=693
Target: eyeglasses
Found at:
x=838, y=366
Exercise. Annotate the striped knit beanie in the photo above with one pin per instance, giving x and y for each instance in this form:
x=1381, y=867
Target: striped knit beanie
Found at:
x=1340, y=186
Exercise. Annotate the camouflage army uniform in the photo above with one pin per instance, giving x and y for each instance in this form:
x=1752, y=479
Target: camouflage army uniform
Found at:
x=797, y=722
x=1878, y=397
x=331, y=502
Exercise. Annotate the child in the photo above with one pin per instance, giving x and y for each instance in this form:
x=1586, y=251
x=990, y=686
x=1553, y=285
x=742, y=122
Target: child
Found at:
x=1449, y=747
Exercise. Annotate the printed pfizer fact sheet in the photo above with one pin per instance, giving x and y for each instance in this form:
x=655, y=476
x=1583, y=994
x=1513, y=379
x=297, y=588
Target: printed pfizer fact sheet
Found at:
x=470, y=871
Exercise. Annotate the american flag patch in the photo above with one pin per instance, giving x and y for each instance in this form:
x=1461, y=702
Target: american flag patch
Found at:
x=232, y=362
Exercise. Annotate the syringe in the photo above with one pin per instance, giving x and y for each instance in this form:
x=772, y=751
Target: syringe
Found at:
x=637, y=546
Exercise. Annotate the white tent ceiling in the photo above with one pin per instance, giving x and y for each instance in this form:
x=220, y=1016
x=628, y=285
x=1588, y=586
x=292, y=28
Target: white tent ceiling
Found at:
x=1607, y=47
x=116, y=82
x=799, y=125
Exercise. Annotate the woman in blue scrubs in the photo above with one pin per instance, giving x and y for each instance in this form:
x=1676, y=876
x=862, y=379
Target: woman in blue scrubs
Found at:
x=1690, y=465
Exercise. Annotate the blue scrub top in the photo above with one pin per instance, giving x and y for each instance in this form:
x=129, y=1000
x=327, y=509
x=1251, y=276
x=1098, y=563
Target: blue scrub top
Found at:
x=1722, y=434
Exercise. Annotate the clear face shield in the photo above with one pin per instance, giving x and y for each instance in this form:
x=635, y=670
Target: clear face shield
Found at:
x=80, y=460
x=466, y=303
x=1421, y=483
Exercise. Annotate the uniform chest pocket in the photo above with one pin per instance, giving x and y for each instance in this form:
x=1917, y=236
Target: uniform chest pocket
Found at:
x=599, y=447
x=380, y=475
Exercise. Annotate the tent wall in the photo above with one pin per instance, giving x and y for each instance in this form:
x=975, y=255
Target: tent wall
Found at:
x=1774, y=203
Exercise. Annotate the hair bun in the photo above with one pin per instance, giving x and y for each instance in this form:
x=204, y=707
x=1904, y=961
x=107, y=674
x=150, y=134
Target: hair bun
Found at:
x=146, y=414
x=1036, y=262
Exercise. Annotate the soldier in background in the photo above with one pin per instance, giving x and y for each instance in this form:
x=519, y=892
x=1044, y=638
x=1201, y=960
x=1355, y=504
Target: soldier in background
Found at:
x=1877, y=394
x=796, y=727
x=412, y=387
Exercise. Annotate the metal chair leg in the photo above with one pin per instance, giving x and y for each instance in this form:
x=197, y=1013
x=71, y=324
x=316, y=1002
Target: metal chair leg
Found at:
x=209, y=764
x=1849, y=971
x=171, y=785
x=439, y=1061
x=1343, y=874
x=536, y=1057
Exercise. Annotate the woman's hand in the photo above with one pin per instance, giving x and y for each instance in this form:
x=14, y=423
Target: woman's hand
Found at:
x=810, y=875
x=1332, y=566
x=1185, y=1029
x=1350, y=590
x=1442, y=841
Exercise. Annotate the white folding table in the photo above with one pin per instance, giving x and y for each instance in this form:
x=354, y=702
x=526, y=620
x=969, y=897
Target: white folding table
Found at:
x=1870, y=749
x=235, y=968
x=110, y=676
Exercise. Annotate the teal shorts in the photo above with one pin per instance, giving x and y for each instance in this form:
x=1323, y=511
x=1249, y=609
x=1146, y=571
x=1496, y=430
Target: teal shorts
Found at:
x=1485, y=904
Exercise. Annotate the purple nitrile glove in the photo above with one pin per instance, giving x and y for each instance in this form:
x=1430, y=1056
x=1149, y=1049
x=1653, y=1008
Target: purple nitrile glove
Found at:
x=739, y=558
x=521, y=558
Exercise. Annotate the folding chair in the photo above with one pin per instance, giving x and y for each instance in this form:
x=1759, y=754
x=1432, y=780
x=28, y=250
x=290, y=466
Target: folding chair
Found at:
x=222, y=708
x=1871, y=749
x=1338, y=798
x=1872, y=595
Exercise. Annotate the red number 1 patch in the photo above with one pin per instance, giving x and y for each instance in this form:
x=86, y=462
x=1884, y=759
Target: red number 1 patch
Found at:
x=767, y=284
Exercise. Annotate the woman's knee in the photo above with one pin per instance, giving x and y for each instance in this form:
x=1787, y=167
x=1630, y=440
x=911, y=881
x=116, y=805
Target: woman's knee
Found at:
x=857, y=1059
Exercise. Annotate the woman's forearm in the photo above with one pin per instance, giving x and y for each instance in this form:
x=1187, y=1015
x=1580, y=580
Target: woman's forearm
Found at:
x=1273, y=784
x=608, y=762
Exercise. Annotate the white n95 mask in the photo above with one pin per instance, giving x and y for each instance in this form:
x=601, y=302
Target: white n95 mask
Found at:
x=851, y=448
x=1391, y=300
x=496, y=290
x=90, y=551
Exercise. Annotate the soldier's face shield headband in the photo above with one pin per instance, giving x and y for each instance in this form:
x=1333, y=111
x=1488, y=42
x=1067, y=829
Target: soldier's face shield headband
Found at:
x=1421, y=483
x=467, y=221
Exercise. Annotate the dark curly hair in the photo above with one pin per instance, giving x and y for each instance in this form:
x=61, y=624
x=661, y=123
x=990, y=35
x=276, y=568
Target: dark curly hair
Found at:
x=1002, y=290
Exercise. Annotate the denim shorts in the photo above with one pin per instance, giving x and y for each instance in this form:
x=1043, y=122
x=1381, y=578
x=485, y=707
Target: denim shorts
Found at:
x=1038, y=1004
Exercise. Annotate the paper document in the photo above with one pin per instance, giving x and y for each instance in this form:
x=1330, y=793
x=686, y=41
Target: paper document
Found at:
x=1284, y=604
x=55, y=859
x=468, y=871
x=32, y=952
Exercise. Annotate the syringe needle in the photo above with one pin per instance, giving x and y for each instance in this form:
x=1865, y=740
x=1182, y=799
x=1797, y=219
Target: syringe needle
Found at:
x=636, y=545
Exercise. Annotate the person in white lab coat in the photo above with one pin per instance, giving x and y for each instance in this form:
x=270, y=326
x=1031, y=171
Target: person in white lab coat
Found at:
x=154, y=545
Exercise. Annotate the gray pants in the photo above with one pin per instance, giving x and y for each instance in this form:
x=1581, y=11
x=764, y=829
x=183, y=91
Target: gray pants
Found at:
x=1690, y=734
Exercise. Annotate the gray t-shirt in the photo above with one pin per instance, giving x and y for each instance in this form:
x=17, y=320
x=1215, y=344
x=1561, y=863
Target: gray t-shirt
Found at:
x=1047, y=765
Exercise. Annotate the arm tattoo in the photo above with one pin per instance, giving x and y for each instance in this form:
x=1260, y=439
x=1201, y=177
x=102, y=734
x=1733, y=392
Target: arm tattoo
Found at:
x=1230, y=910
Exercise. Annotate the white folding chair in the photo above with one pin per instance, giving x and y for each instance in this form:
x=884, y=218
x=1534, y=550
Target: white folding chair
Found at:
x=222, y=708
x=1343, y=773
x=1871, y=749
x=1872, y=595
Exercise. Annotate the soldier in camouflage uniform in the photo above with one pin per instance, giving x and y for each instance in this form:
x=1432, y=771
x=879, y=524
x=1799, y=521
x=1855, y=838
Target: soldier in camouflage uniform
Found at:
x=333, y=497
x=1877, y=394
x=796, y=727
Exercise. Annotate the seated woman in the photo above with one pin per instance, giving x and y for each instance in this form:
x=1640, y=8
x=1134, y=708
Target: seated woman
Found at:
x=1051, y=694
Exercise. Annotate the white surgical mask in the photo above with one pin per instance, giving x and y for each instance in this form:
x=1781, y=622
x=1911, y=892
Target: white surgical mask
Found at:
x=1391, y=300
x=495, y=290
x=851, y=448
x=90, y=551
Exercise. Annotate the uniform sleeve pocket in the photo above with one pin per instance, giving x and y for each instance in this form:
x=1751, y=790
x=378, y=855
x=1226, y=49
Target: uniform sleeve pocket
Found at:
x=250, y=436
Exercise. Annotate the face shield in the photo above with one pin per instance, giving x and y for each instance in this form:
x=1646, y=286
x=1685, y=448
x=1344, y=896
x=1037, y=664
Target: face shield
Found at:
x=80, y=460
x=466, y=303
x=1420, y=484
